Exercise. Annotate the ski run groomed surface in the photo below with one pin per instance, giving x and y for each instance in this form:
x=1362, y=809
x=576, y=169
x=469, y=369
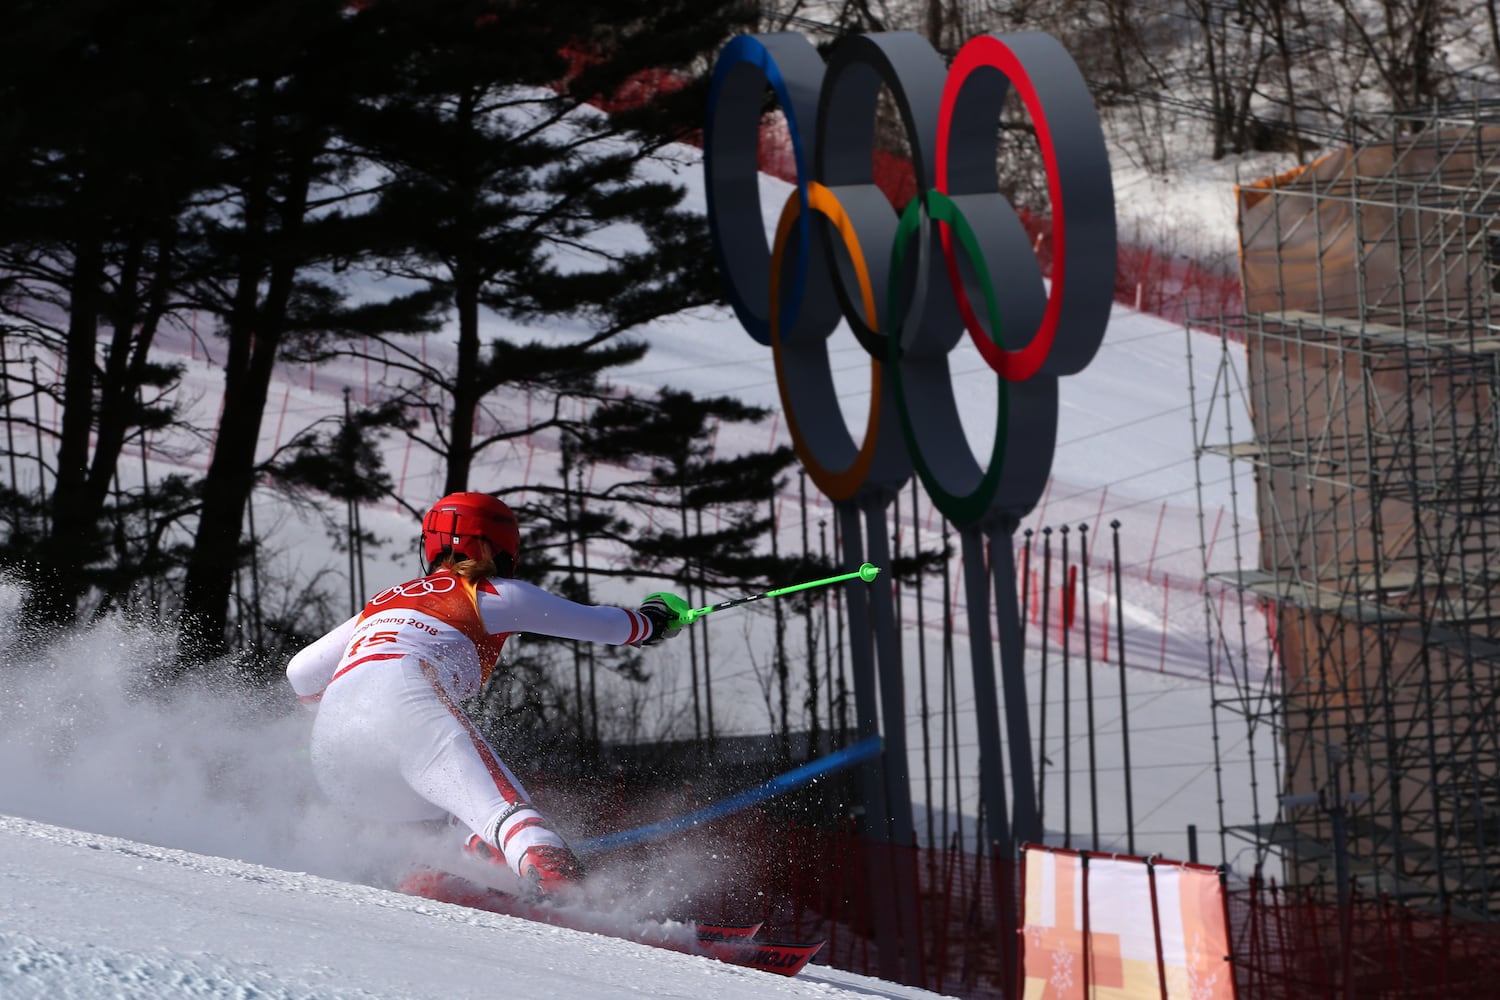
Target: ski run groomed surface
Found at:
x=88, y=917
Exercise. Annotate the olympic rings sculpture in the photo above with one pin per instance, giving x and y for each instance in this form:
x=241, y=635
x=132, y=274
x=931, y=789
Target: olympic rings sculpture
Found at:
x=841, y=251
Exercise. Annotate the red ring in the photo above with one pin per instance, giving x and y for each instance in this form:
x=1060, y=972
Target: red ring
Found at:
x=978, y=53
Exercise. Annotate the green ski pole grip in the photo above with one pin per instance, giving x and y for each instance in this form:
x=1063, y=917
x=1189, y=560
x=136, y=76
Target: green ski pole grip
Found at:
x=685, y=614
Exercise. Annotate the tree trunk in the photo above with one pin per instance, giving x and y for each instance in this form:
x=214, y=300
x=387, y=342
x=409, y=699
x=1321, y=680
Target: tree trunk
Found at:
x=1284, y=50
x=226, y=493
x=255, y=333
x=122, y=374
x=465, y=387
x=54, y=599
x=1492, y=16
x=1218, y=87
x=119, y=407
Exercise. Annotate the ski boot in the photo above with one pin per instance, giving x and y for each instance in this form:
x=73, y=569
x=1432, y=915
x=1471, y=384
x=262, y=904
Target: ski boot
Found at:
x=546, y=869
x=481, y=849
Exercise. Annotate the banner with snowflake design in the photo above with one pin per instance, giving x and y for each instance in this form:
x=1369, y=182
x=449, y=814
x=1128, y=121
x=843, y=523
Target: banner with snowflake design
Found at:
x=1194, y=933
x=1107, y=927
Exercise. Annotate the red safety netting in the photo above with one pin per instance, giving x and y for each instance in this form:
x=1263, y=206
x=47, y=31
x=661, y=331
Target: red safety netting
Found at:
x=1290, y=943
x=937, y=910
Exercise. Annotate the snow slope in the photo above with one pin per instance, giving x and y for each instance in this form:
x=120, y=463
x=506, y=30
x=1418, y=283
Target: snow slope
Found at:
x=89, y=917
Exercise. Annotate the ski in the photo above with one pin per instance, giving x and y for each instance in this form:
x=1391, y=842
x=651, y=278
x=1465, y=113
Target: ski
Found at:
x=725, y=932
x=768, y=956
x=734, y=944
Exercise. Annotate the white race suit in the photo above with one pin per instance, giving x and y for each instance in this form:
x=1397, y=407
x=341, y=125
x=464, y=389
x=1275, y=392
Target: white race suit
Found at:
x=390, y=740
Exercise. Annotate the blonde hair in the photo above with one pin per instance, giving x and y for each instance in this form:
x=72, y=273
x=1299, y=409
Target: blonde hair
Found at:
x=470, y=569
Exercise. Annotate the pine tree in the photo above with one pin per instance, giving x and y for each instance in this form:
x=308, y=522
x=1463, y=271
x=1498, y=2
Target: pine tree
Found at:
x=499, y=180
x=267, y=246
x=103, y=151
x=669, y=440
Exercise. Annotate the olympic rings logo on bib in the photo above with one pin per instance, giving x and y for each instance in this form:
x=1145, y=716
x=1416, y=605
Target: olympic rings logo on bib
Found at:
x=416, y=588
x=841, y=252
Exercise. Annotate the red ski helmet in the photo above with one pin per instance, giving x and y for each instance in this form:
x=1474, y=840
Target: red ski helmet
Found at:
x=459, y=518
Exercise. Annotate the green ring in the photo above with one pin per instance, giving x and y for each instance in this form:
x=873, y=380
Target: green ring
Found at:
x=969, y=509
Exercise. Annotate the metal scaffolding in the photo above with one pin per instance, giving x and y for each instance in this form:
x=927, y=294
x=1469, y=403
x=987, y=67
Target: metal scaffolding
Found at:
x=1370, y=353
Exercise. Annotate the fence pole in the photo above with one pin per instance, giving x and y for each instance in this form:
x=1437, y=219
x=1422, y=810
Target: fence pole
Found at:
x=1124, y=700
x=1041, y=764
x=1088, y=681
x=1166, y=608
x=1067, y=697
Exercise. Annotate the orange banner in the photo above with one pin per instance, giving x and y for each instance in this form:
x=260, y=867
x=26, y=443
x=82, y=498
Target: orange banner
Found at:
x=1091, y=930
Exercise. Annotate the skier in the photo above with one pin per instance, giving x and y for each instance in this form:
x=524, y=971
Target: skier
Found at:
x=390, y=739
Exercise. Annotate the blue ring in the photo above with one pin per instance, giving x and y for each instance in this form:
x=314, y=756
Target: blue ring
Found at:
x=752, y=50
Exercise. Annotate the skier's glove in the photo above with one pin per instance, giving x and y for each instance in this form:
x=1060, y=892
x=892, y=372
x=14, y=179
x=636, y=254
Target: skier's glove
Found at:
x=661, y=618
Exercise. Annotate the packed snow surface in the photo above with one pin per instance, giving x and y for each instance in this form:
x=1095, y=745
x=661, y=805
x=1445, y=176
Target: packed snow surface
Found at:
x=88, y=916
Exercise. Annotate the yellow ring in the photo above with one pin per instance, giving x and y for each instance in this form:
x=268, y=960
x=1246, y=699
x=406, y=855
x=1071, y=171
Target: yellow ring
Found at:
x=836, y=484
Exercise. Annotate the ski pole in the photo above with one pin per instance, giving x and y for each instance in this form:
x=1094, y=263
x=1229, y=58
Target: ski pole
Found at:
x=803, y=774
x=687, y=615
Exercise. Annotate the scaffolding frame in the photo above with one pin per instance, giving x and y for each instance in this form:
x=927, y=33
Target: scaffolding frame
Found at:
x=1371, y=356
